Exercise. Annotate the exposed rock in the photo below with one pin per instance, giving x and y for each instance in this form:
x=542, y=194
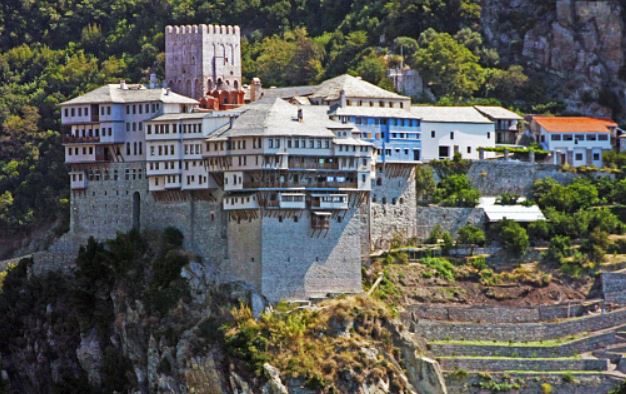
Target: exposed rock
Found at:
x=89, y=355
x=577, y=46
x=274, y=385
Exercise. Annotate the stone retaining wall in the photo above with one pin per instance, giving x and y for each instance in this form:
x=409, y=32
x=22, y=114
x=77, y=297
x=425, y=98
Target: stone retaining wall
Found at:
x=521, y=364
x=518, y=332
x=588, y=383
x=496, y=314
x=566, y=350
x=450, y=219
x=493, y=177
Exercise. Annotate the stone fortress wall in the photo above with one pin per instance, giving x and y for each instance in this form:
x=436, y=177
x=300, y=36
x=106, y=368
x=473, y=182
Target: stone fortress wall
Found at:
x=393, y=205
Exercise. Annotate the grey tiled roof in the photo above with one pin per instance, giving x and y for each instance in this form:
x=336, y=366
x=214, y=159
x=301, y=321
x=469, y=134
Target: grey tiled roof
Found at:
x=289, y=92
x=112, y=93
x=495, y=112
x=440, y=114
x=354, y=87
x=194, y=115
x=376, y=112
x=276, y=117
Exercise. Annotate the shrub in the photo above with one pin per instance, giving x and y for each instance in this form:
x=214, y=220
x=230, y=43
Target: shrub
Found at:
x=172, y=238
x=539, y=231
x=471, y=235
x=558, y=250
x=507, y=199
x=456, y=191
x=442, y=266
x=513, y=237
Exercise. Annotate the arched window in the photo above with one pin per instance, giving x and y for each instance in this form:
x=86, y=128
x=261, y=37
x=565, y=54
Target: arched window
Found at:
x=236, y=85
x=210, y=85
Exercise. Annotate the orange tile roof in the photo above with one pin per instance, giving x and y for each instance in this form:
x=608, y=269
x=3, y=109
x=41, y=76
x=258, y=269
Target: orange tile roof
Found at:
x=574, y=124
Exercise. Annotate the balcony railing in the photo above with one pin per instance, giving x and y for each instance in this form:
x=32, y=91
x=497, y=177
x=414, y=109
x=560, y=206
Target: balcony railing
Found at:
x=70, y=139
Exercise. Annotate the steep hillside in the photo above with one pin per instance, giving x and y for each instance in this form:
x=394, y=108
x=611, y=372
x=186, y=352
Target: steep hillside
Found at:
x=576, y=48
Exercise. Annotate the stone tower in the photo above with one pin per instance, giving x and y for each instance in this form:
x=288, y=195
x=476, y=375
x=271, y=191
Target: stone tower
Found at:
x=201, y=59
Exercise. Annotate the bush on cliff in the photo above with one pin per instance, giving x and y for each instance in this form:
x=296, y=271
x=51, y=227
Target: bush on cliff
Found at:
x=456, y=191
x=513, y=237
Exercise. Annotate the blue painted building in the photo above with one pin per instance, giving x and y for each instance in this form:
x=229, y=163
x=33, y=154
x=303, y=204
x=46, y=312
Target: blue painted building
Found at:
x=396, y=133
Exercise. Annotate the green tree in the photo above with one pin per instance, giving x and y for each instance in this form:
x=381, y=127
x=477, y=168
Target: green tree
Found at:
x=558, y=250
x=513, y=237
x=373, y=68
x=456, y=191
x=471, y=235
x=448, y=67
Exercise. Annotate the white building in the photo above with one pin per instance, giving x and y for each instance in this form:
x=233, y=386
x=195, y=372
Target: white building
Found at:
x=107, y=125
x=574, y=140
x=449, y=130
x=174, y=149
x=507, y=123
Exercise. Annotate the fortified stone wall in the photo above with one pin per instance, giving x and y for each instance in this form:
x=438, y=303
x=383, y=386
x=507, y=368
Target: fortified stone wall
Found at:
x=298, y=262
x=110, y=206
x=393, y=205
x=494, y=177
x=569, y=349
x=521, y=332
x=450, y=219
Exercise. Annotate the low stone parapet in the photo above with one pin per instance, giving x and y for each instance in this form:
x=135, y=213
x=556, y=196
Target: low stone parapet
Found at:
x=518, y=332
x=498, y=314
x=523, y=364
x=566, y=349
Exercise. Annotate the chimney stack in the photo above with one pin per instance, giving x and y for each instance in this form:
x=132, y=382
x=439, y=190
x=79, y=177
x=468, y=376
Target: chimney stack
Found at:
x=123, y=84
x=300, y=115
x=167, y=91
x=153, y=81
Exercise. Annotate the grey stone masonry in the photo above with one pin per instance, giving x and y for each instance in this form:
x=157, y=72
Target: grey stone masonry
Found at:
x=393, y=204
x=497, y=314
x=494, y=177
x=450, y=219
x=518, y=332
x=614, y=287
x=567, y=349
x=298, y=262
x=522, y=364
x=536, y=382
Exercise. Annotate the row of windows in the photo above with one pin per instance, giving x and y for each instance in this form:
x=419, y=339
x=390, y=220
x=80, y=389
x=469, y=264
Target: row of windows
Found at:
x=185, y=128
x=382, y=121
x=137, y=148
x=580, y=157
x=85, y=150
x=579, y=137
x=433, y=134
x=106, y=175
x=162, y=149
x=352, y=148
x=394, y=201
x=134, y=126
x=398, y=151
x=141, y=108
x=191, y=149
x=72, y=111
x=381, y=103
x=93, y=132
x=235, y=200
x=106, y=109
x=404, y=136
x=172, y=165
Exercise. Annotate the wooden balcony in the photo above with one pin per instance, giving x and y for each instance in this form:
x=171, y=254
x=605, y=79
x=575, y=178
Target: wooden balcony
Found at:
x=70, y=139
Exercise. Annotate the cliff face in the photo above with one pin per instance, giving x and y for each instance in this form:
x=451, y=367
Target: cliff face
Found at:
x=575, y=47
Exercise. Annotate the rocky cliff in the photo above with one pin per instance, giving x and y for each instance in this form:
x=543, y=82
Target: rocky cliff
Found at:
x=573, y=49
x=139, y=314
